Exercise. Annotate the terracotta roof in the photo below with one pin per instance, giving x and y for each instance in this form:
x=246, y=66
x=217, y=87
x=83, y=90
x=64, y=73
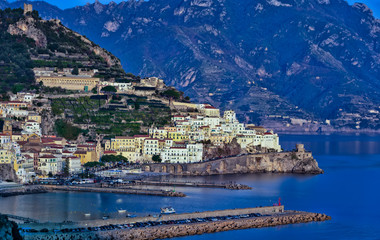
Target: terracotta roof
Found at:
x=137, y=136
x=80, y=152
x=123, y=137
x=109, y=152
x=47, y=156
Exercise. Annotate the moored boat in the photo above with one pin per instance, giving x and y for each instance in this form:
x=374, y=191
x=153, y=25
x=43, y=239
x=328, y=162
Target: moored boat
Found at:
x=167, y=210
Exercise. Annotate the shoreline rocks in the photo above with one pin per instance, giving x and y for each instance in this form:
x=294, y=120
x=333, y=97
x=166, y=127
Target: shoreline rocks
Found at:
x=162, y=232
x=22, y=190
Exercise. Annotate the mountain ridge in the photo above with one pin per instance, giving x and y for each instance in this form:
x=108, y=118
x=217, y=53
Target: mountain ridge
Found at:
x=318, y=61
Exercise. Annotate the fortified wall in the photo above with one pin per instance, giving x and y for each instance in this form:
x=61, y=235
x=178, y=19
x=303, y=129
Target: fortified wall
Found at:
x=299, y=161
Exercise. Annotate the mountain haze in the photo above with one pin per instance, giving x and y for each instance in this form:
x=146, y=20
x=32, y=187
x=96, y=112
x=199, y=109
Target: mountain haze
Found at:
x=270, y=60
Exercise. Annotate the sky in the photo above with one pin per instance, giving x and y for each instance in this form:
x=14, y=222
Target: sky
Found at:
x=373, y=4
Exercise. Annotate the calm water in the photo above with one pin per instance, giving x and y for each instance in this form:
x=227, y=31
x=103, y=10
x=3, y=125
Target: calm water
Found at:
x=348, y=191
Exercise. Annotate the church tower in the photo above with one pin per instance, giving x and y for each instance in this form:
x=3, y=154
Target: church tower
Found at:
x=7, y=128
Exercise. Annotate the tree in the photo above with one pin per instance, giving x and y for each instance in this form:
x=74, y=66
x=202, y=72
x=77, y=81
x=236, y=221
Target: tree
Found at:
x=109, y=89
x=66, y=169
x=75, y=71
x=114, y=158
x=156, y=158
x=93, y=164
x=172, y=93
x=94, y=90
x=137, y=106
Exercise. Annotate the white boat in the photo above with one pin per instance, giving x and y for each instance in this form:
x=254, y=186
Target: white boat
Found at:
x=167, y=210
x=121, y=211
x=87, y=214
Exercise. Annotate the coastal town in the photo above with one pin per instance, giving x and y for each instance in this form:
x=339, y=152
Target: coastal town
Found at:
x=72, y=120
x=192, y=127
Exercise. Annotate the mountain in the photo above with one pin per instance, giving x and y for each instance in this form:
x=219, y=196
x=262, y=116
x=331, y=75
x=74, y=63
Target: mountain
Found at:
x=285, y=63
x=27, y=41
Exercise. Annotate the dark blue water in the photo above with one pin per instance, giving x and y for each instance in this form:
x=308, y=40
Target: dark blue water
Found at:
x=348, y=191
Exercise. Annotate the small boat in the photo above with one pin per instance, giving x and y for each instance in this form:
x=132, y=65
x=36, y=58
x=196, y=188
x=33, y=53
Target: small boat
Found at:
x=105, y=217
x=130, y=215
x=167, y=210
x=121, y=211
x=87, y=214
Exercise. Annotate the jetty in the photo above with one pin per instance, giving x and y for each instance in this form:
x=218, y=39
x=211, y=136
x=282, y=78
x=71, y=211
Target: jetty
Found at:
x=173, y=225
x=231, y=185
x=153, y=192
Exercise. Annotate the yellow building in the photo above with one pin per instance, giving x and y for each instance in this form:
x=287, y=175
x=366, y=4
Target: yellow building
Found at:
x=7, y=156
x=121, y=142
x=17, y=138
x=177, y=136
x=160, y=133
x=86, y=156
x=219, y=139
x=210, y=111
x=34, y=117
x=70, y=83
x=139, y=141
x=131, y=154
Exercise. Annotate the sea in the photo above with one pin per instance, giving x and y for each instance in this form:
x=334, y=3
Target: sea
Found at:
x=348, y=191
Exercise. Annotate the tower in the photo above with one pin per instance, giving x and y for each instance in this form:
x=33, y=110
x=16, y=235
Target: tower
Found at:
x=7, y=128
x=28, y=8
x=98, y=149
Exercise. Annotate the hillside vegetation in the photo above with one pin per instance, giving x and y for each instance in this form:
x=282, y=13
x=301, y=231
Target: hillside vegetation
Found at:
x=28, y=41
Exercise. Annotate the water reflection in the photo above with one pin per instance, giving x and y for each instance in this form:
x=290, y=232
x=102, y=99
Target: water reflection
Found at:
x=334, y=144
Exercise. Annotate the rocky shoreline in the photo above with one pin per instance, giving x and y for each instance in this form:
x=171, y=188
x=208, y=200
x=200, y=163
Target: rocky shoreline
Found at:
x=22, y=190
x=162, y=232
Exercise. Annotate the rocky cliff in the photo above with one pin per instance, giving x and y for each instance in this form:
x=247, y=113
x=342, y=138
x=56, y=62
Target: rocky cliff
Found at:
x=284, y=162
x=281, y=62
x=7, y=173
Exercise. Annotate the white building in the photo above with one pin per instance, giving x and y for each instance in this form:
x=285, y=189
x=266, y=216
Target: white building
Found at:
x=183, y=154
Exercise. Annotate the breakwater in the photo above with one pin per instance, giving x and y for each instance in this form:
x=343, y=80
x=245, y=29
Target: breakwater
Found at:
x=231, y=186
x=170, y=231
x=173, y=225
x=298, y=161
x=116, y=190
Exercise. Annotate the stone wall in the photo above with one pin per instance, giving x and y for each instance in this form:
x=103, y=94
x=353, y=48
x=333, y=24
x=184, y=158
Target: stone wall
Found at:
x=7, y=173
x=283, y=162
